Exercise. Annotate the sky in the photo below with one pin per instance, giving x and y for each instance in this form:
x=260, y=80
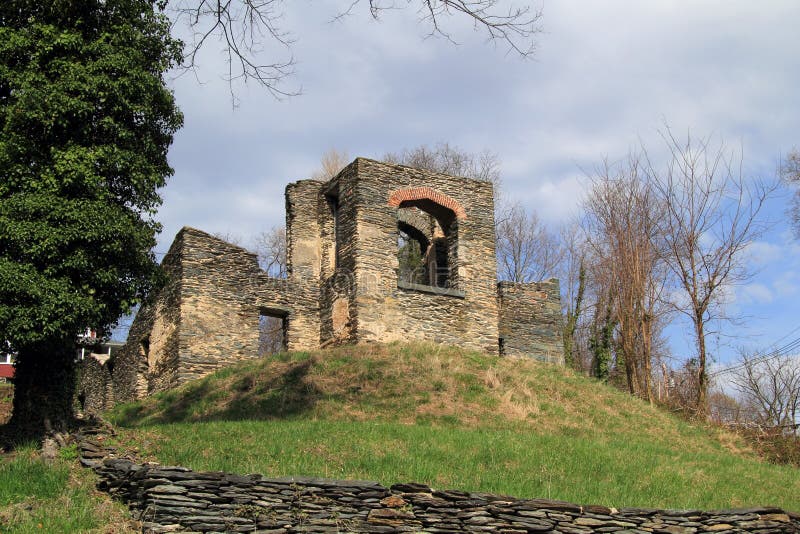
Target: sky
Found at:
x=606, y=77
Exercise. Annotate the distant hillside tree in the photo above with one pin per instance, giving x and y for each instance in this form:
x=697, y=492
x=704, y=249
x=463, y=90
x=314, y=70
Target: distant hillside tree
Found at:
x=622, y=216
x=710, y=215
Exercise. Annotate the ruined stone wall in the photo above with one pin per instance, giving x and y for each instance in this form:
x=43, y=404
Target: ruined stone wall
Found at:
x=338, y=313
x=530, y=320
x=342, y=284
x=148, y=361
x=384, y=312
x=95, y=386
x=304, y=256
x=224, y=291
x=219, y=309
x=207, y=316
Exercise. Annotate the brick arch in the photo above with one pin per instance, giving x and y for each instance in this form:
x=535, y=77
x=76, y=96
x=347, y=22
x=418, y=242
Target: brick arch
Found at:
x=426, y=193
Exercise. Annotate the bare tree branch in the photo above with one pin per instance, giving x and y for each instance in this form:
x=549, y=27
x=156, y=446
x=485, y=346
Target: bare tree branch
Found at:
x=770, y=387
x=526, y=250
x=250, y=29
x=790, y=172
x=270, y=248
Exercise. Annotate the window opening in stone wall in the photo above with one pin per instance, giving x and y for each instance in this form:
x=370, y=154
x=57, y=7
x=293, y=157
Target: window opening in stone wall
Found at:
x=427, y=244
x=271, y=332
x=144, y=349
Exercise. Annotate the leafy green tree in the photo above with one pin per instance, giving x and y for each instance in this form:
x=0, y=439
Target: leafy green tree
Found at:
x=85, y=124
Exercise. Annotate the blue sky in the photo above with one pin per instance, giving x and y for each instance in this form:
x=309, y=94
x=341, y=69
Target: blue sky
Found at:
x=606, y=76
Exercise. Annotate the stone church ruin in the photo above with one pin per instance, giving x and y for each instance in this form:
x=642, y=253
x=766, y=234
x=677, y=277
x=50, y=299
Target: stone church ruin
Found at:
x=379, y=253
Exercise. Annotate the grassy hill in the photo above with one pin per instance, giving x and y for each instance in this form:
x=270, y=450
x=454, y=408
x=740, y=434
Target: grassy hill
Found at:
x=453, y=419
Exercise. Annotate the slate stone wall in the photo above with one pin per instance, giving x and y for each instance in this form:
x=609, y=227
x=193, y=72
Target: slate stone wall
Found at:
x=207, y=316
x=170, y=499
x=531, y=321
x=95, y=386
x=148, y=362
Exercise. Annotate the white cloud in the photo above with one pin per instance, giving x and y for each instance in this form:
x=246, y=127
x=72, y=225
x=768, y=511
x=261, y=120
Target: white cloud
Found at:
x=754, y=293
x=763, y=252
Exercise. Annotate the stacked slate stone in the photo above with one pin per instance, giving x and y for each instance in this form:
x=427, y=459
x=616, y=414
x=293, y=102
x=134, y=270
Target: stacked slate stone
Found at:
x=170, y=499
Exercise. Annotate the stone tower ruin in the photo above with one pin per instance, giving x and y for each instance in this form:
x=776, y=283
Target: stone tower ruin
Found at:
x=379, y=253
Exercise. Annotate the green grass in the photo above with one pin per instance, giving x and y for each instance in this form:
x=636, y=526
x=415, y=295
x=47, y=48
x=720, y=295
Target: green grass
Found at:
x=53, y=498
x=452, y=419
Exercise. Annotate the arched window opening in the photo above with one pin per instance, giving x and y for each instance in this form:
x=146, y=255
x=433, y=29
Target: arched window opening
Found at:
x=427, y=244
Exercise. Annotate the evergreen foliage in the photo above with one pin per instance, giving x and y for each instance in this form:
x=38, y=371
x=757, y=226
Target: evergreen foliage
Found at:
x=85, y=124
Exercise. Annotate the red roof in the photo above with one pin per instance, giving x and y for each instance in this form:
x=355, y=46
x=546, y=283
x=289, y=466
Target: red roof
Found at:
x=6, y=370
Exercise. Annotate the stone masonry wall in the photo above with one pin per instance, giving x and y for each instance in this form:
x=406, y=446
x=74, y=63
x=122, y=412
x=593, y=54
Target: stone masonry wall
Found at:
x=223, y=292
x=466, y=316
x=95, y=387
x=207, y=316
x=170, y=499
x=148, y=361
x=530, y=320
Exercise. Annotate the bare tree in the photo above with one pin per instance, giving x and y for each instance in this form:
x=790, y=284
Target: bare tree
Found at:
x=771, y=387
x=526, y=249
x=248, y=29
x=725, y=409
x=270, y=247
x=572, y=275
x=710, y=217
x=621, y=221
x=791, y=175
x=331, y=163
x=448, y=159
x=229, y=237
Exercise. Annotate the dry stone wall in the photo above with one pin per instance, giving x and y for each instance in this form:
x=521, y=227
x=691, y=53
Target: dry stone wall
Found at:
x=171, y=498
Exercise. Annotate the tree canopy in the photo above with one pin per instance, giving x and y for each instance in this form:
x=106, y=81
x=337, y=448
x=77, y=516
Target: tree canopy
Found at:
x=86, y=121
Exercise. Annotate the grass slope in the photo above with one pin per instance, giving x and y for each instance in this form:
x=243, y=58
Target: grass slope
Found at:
x=56, y=497
x=453, y=419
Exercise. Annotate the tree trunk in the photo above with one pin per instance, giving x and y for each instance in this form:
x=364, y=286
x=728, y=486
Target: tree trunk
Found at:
x=44, y=388
x=702, y=376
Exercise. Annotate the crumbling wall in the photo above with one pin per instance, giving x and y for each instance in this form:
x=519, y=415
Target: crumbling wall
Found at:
x=207, y=316
x=219, y=309
x=343, y=281
x=530, y=320
x=95, y=386
x=337, y=222
x=224, y=291
x=148, y=362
